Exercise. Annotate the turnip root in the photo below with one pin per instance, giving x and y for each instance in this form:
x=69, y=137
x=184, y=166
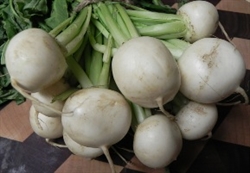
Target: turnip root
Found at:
x=146, y=72
x=211, y=70
x=100, y=118
x=34, y=60
x=157, y=141
x=80, y=150
x=201, y=19
x=194, y=20
x=45, y=97
x=196, y=120
x=44, y=126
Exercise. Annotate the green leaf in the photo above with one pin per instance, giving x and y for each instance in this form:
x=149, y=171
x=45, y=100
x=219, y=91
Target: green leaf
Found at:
x=59, y=13
x=35, y=8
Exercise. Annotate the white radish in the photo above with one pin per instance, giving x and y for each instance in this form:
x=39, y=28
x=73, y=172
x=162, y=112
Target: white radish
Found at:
x=46, y=96
x=157, y=141
x=196, y=120
x=146, y=72
x=80, y=150
x=34, y=60
x=201, y=19
x=100, y=118
x=44, y=126
x=211, y=70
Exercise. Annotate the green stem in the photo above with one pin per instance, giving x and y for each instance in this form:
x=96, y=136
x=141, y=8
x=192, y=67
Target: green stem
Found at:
x=179, y=43
x=139, y=115
x=87, y=58
x=178, y=102
x=174, y=51
x=157, y=2
x=175, y=29
x=74, y=44
x=105, y=73
x=73, y=29
x=150, y=15
x=100, y=27
x=123, y=25
x=78, y=58
x=132, y=30
x=96, y=61
x=98, y=47
x=79, y=53
x=64, y=95
x=79, y=73
x=140, y=112
x=55, y=31
x=133, y=7
x=176, y=46
x=110, y=23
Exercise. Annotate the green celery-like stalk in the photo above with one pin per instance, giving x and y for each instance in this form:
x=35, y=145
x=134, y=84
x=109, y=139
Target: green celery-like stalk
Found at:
x=140, y=114
x=169, y=30
x=132, y=30
x=176, y=46
x=122, y=25
x=179, y=43
x=87, y=58
x=105, y=72
x=144, y=14
x=105, y=15
x=79, y=73
x=100, y=27
x=96, y=60
x=176, y=52
x=55, y=31
x=74, y=44
x=158, y=24
x=64, y=95
x=96, y=46
x=73, y=29
x=79, y=53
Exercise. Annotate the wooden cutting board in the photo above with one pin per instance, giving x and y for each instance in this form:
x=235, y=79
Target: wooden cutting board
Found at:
x=228, y=150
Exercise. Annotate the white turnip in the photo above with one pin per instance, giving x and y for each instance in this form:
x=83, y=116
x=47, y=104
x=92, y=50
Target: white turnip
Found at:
x=196, y=120
x=211, y=70
x=44, y=126
x=201, y=19
x=157, y=141
x=80, y=150
x=100, y=118
x=34, y=60
x=146, y=72
x=194, y=20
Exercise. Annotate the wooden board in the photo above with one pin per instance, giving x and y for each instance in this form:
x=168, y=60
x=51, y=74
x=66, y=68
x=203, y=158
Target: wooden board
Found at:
x=228, y=151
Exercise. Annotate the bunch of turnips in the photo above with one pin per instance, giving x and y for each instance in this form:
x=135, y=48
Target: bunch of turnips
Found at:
x=115, y=66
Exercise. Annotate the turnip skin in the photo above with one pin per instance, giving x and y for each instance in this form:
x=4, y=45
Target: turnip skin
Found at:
x=146, y=72
x=211, y=70
x=157, y=141
x=101, y=117
x=45, y=96
x=80, y=150
x=196, y=120
x=202, y=19
x=51, y=127
x=34, y=60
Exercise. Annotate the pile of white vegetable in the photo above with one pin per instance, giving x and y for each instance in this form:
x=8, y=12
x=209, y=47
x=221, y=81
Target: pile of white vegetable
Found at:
x=109, y=68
